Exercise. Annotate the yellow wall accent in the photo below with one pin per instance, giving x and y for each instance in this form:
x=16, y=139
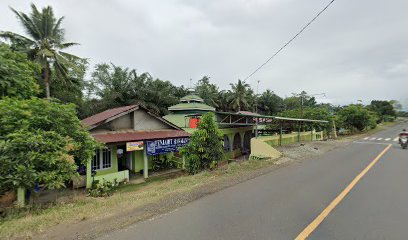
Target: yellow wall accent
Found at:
x=262, y=149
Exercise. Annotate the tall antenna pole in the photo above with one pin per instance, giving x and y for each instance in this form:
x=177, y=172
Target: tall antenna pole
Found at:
x=256, y=97
x=256, y=110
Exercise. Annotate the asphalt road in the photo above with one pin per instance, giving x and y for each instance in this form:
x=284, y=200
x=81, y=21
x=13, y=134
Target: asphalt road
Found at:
x=281, y=204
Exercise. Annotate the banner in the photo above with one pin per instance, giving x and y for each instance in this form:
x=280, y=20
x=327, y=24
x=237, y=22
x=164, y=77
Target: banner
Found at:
x=163, y=146
x=134, y=146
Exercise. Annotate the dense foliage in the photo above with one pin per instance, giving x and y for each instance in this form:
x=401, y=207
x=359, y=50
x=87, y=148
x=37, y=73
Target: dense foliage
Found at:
x=54, y=141
x=113, y=86
x=356, y=118
x=319, y=113
x=45, y=44
x=384, y=109
x=402, y=114
x=30, y=158
x=17, y=74
x=205, y=148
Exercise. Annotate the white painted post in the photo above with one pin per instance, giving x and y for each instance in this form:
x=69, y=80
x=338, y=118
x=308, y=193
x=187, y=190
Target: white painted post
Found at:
x=145, y=163
x=21, y=197
x=184, y=163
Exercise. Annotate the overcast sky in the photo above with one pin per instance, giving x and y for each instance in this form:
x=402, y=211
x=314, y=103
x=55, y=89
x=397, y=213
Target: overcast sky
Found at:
x=357, y=50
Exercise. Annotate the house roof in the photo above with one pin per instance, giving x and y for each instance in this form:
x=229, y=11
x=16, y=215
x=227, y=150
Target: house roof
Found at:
x=131, y=135
x=249, y=113
x=191, y=97
x=191, y=106
x=102, y=117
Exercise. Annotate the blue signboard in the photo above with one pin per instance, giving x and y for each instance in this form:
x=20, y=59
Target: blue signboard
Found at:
x=163, y=146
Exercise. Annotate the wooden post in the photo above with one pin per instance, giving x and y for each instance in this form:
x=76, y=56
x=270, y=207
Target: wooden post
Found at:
x=300, y=124
x=280, y=133
x=256, y=128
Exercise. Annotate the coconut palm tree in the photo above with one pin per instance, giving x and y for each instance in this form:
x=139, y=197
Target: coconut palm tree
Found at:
x=44, y=44
x=239, y=95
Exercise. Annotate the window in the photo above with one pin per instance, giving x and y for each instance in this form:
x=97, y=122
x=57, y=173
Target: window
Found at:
x=102, y=159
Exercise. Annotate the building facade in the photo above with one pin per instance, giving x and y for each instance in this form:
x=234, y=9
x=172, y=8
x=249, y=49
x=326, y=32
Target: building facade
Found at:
x=187, y=113
x=134, y=138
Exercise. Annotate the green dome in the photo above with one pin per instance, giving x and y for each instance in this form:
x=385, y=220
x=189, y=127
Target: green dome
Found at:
x=191, y=98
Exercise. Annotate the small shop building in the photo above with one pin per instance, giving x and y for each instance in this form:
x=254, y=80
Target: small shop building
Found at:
x=134, y=138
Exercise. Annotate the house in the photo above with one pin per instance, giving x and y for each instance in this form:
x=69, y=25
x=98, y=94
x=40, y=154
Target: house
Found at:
x=187, y=113
x=134, y=137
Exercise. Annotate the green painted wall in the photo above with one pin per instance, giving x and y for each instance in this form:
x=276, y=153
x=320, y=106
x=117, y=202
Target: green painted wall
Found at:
x=291, y=138
x=113, y=169
x=137, y=164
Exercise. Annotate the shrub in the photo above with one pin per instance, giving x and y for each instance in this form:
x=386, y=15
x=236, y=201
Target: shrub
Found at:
x=205, y=148
x=102, y=189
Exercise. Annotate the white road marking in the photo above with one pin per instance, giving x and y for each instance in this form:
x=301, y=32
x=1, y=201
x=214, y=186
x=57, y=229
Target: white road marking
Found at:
x=379, y=139
x=387, y=139
x=375, y=143
x=366, y=138
x=395, y=139
x=372, y=139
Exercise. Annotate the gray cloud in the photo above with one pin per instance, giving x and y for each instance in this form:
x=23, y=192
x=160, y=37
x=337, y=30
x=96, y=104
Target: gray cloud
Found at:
x=355, y=51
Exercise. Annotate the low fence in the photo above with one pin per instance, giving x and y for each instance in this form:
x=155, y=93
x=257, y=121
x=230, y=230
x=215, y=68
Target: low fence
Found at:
x=292, y=138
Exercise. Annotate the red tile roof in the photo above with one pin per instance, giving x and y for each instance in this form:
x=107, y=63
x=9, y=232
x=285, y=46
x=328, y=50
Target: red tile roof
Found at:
x=101, y=117
x=113, y=137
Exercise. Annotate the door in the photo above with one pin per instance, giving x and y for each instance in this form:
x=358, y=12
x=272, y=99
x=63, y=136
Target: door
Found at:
x=129, y=160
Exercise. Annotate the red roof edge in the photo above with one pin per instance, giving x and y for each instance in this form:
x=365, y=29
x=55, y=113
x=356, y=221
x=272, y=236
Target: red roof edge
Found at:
x=101, y=117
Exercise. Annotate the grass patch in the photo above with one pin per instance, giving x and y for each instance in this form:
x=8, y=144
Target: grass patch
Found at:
x=29, y=221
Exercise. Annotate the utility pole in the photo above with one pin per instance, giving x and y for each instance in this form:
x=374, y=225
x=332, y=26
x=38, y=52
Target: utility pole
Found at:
x=302, y=96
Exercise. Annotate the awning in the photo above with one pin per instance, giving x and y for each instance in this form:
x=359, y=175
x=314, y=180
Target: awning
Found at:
x=128, y=136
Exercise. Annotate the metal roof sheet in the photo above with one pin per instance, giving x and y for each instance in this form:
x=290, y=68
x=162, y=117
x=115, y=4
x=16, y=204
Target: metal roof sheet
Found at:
x=105, y=115
x=128, y=136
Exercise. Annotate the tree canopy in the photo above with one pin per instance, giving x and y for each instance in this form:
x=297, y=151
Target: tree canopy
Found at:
x=44, y=44
x=384, y=109
x=240, y=95
x=17, y=74
x=40, y=137
x=356, y=117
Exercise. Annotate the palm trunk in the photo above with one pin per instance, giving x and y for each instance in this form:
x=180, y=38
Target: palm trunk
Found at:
x=47, y=81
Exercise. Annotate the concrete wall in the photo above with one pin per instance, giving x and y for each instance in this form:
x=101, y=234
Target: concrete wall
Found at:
x=144, y=121
x=137, y=120
x=99, y=173
x=292, y=138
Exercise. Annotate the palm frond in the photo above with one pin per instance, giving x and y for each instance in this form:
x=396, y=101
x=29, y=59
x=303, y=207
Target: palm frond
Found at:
x=29, y=26
x=14, y=37
x=58, y=31
x=67, y=45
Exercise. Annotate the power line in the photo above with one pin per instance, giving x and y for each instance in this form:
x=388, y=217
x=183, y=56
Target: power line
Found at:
x=293, y=38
